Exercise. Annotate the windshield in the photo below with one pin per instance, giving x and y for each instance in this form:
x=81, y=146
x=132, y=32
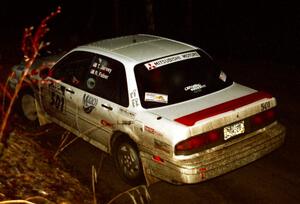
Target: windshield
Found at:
x=178, y=78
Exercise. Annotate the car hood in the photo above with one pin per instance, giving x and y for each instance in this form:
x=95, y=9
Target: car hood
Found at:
x=177, y=111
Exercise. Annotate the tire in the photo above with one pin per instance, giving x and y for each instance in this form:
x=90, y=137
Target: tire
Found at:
x=127, y=161
x=26, y=108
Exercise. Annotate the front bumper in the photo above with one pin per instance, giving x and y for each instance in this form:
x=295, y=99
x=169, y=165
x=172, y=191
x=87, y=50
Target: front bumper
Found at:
x=217, y=160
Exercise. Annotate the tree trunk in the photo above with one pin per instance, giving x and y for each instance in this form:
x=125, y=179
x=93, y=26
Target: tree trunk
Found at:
x=116, y=20
x=150, y=16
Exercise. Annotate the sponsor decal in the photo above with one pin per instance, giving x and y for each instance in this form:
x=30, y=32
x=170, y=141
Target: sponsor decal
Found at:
x=100, y=69
x=135, y=102
x=133, y=94
x=152, y=131
x=127, y=112
x=100, y=73
x=57, y=101
x=106, y=123
x=125, y=122
x=168, y=60
x=91, y=83
x=57, y=96
x=98, y=62
x=265, y=106
x=134, y=99
x=195, y=88
x=156, y=97
x=89, y=103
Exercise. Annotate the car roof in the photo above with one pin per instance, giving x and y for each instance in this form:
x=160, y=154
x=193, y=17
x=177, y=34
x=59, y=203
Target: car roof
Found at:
x=139, y=47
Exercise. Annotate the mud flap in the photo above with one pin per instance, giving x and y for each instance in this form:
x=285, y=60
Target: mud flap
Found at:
x=147, y=172
x=41, y=114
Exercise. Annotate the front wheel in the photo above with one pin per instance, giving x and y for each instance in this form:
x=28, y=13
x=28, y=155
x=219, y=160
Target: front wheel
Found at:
x=26, y=107
x=127, y=161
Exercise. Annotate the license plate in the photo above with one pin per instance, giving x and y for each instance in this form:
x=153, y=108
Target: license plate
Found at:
x=234, y=129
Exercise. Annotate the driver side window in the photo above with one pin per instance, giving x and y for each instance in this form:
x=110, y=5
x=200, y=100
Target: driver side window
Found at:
x=96, y=74
x=71, y=69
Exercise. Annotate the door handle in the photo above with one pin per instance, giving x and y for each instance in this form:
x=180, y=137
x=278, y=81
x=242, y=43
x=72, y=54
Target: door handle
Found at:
x=107, y=107
x=70, y=90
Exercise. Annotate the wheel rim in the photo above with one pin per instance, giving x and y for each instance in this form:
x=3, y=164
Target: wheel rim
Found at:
x=128, y=161
x=28, y=107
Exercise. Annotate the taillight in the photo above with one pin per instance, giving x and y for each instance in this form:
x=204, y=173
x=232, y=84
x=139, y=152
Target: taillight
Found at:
x=197, y=142
x=215, y=137
x=263, y=118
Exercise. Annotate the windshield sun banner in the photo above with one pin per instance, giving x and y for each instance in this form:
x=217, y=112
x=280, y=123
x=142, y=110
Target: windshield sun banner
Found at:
x=171, y=59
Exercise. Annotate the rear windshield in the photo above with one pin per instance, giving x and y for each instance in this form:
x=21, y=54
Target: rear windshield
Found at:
x=178, y=78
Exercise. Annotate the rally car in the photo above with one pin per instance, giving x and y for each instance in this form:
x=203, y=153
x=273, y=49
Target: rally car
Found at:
x=162, y=108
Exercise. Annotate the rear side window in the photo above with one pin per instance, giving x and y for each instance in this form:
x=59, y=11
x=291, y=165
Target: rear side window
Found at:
x=106, y=78
x=178, y=78
x=72, y=68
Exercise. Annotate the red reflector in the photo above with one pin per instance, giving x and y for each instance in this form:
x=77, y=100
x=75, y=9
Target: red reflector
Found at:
x=157, y=158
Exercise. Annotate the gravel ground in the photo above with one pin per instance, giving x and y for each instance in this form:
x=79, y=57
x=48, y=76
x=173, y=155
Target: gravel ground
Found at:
x=29, y=171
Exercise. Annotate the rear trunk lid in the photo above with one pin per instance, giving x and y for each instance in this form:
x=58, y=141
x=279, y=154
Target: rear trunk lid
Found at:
x=223, y=111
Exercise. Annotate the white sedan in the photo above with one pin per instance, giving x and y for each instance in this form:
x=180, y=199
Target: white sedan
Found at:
x=160, y=107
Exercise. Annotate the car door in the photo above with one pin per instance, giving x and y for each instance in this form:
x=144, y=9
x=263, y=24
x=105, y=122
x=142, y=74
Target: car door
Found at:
x=105, y=93
x=61, y=94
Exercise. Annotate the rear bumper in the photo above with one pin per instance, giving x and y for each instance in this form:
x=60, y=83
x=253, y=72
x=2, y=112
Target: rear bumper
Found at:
x=218, y=160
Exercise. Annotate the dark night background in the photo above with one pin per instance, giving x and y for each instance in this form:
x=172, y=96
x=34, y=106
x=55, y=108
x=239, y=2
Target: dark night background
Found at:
x=228, y=30
x=257, y=42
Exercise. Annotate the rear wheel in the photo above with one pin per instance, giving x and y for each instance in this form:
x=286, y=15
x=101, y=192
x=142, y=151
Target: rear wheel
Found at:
x=127, y=161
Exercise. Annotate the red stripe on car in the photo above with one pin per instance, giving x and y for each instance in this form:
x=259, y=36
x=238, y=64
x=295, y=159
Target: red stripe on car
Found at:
x=192, y=118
